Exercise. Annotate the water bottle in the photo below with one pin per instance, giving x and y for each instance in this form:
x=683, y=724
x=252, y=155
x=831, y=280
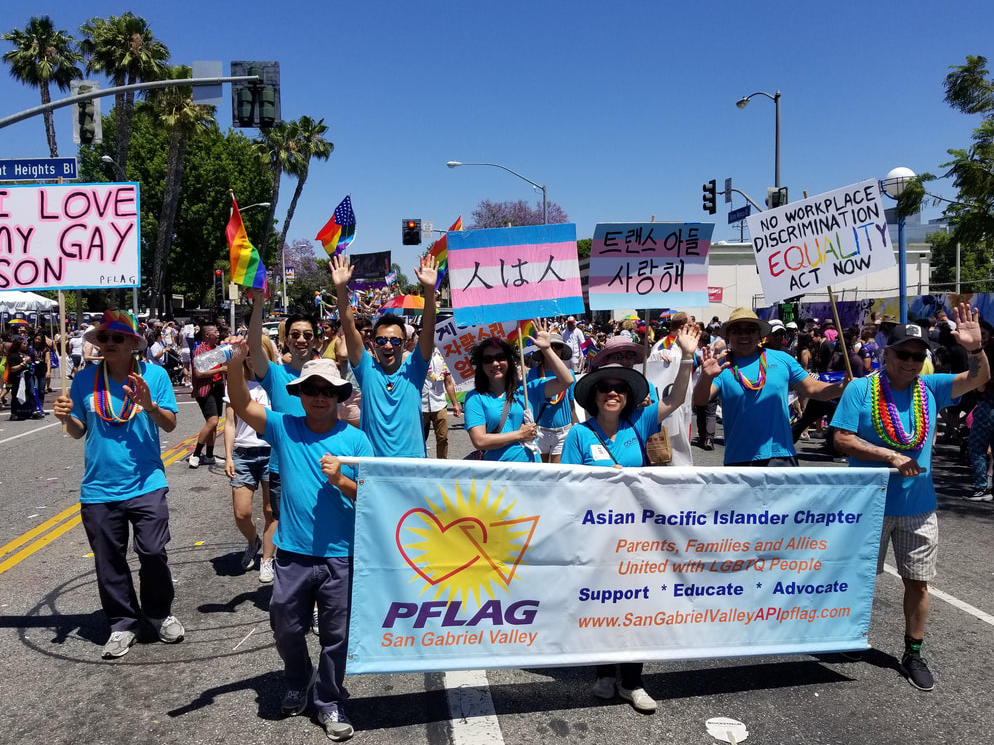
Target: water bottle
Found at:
x=214, y=358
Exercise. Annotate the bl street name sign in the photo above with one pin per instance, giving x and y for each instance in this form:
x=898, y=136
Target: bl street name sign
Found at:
x=37, y=169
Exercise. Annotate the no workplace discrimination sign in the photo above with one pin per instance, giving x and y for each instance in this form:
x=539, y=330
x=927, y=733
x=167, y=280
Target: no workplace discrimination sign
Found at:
x=63, y=236
x=820, y=241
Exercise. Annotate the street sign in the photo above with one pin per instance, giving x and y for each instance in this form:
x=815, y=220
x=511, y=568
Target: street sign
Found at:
x=740, y=214
x=37, y=169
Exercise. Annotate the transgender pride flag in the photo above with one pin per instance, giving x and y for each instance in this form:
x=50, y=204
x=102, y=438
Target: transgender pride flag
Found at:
x=512, y=274
x=649, y=265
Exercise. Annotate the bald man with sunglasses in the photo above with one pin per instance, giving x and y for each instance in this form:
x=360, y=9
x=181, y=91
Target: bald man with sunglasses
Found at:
x=889, y=419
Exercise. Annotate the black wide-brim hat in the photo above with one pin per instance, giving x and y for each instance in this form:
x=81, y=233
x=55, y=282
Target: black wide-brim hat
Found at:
x=636, y=382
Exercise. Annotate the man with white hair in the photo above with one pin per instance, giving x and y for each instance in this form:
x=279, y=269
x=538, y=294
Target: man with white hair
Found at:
x=573, y=338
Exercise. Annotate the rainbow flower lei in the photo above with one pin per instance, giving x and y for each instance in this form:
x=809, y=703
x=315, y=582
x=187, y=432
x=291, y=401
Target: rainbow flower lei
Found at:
x=885, y=419
x=102, y=401
x=749, y=385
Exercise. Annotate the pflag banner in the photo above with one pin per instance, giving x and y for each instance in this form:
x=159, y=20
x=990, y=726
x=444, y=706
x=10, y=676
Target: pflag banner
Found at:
x=339, y=231
x=470, y=564
x=649, y=265
x=511, y=274
x=247, y=268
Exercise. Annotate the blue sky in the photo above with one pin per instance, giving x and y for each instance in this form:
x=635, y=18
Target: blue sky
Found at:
x=622, y=110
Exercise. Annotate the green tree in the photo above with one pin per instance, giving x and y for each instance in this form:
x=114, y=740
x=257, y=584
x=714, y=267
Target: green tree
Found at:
x=583, y=246
x=974, y=262
x=277, y=147
x=42, y=56
x=309, y=143
x=123, y=48
x=180, y=117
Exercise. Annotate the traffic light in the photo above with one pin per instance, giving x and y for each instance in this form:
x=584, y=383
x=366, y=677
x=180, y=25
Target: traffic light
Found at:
x=218, y=287
x=411, y=233
x=87, y=128
x=710, y=192
x=776, y=197
x=256, y=103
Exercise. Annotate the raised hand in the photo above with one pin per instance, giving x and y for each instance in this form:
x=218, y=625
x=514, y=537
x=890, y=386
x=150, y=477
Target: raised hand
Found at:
x=687, y=337
x=138, y=391
x=711, y=364
x=967, y=331
x=254, y=293
x=239, y=349
x=427, y=272
x=542, y=338
x=341, y=271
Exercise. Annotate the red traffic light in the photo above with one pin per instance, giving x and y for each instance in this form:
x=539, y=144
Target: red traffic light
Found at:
x=411, y=224
x=217, y=272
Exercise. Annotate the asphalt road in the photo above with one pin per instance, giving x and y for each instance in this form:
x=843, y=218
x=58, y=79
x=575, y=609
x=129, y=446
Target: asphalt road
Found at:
x=222, y=684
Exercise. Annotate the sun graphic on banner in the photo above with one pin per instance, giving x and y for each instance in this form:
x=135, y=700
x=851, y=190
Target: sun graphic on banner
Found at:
x=465, y=546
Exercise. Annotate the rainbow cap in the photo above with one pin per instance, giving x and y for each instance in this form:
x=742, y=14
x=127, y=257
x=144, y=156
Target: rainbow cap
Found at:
x=116, y=321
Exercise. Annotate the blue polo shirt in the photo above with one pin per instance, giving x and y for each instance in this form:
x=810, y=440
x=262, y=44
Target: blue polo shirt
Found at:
x=316, y=519
x=583, y=447
x=274, y=384
x=391, y=405
x=121, y=460
x=757, y=423
x=547, y=414
x=905, y=496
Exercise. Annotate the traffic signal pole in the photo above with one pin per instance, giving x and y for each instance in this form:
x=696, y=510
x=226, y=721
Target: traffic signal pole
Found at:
x=28, y=113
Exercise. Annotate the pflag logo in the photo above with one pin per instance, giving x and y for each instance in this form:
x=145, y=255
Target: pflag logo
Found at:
x=465, y=546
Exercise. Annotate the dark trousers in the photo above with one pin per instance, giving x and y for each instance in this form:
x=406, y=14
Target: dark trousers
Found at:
x=631, y=674
x=707, y=416
x=106, y=526
x=301, y=581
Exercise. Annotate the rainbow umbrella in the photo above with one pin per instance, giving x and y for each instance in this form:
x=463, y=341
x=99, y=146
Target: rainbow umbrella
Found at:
x=18, y=322
x=406, y=303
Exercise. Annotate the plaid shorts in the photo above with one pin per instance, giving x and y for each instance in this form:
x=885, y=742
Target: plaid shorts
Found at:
x=916, y=544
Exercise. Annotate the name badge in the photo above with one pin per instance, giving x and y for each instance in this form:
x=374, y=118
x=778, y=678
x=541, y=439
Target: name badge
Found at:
x=599, y=452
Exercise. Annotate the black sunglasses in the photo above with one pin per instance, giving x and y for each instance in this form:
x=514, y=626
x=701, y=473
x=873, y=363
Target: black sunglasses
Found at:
x=491, y=358
x=609, y=387
x=297, y=334
x=103, y=338
x=311, y=389
x=393, y=341
x=904, y=355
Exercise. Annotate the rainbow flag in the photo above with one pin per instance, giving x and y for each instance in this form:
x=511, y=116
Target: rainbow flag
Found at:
x=440, y=250
x=588, y=348
x=247, y=268
x=339, y=231
x=524, y=329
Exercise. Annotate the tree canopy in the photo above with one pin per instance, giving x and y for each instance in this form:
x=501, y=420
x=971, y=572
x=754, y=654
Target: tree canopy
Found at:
x=489, y=214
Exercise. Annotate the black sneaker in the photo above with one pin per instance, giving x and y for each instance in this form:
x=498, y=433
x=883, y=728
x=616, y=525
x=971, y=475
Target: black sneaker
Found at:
x=917, y=672
x=981, y=495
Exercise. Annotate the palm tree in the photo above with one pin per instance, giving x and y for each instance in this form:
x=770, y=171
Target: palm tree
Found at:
x=41, y=56
x=278, y=147
x=123, y=48
x=181, y=117
x=310, y=143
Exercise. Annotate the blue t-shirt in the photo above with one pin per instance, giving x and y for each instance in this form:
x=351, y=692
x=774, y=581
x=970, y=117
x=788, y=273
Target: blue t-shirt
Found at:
x=549, y=415
x=582, y=446
x=391, y=405
x=121, y=460
x=485, y=409
x=905, y=496
x=316, y=519
x=757, y=423
x=274, y=384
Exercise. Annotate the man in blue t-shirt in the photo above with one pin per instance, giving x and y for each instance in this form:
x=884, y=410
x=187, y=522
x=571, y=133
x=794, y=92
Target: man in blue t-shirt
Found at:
x=316, y=531
x=890, y=418
x=753, y=384
x=119, y=405
x=391, y=385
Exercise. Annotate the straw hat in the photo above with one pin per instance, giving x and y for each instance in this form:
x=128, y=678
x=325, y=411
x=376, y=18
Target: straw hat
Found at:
x=745, y=315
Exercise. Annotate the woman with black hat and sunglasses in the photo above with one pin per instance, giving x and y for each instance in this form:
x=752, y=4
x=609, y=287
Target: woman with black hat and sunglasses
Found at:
x=495, y=410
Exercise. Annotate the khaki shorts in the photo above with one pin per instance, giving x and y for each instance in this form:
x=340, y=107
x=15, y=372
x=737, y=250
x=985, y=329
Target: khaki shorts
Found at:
x=916, y=544
x=550, y=440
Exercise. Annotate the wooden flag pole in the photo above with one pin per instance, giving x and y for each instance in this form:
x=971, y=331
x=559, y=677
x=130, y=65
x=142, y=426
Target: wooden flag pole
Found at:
x=842, y=337
x=645, y=344
x=524, y=370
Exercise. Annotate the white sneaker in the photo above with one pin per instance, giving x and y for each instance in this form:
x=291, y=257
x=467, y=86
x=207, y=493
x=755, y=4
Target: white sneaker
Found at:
x=194, y=461
x=248, y=557
x=169, y=629
x=118, y=644
x=267, y=571
x=604, y=688
x=638, y=698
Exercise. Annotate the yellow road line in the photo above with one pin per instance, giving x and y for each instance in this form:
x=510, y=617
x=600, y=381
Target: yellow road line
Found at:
x=20, y=540
x=38, y=544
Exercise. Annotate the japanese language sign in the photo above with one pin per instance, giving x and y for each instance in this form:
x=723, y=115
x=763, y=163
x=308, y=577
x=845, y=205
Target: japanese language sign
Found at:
x=463, y=564
x=822, y=240
x=649, y=265
x=454, y=342
x=69, y=236
x=511, y=274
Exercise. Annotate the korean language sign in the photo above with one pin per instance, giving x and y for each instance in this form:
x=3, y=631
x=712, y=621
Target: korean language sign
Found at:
x=61, y=236
x=649, y=265
x=513, y=274
x=455, y=343
x=462, y=564
x=822, y=240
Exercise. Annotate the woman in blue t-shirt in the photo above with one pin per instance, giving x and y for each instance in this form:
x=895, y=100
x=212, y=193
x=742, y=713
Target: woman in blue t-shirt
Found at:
x=497, y=387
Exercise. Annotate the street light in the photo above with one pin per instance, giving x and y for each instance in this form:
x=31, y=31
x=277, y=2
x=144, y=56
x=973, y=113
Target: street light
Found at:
x=743, y=102
x=545, y=200
x=894, y=184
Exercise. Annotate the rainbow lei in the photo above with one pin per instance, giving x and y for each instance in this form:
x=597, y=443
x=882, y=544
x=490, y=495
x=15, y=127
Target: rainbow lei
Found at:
x=102, y=401
x=745, y=382
x=885, y=419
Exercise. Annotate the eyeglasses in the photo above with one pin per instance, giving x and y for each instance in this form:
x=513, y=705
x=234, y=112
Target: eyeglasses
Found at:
x=312, y=389
x=393, y=341
x=297, y=334
x=608, y=387
x=904, y=355
x=489, y=359
x=103, y=338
